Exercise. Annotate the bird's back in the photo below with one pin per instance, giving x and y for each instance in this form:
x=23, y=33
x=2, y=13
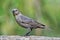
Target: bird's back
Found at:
x=28, y=22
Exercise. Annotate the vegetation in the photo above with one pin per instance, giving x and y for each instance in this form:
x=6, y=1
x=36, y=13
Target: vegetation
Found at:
x=44, y=11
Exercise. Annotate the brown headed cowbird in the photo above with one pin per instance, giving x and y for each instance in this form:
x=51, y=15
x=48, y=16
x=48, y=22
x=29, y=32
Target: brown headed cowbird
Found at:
x=26, y=22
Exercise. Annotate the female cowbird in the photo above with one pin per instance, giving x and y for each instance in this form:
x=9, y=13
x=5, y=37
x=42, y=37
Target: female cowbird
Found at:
x=26, y=22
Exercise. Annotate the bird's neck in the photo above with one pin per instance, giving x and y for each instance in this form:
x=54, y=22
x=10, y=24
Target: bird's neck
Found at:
x=19, y=14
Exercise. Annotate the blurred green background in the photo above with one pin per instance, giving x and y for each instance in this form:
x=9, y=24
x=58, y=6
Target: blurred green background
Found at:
x=44, y=11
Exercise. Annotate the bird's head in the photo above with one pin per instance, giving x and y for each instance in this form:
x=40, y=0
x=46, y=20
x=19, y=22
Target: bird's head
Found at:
x=15, y=12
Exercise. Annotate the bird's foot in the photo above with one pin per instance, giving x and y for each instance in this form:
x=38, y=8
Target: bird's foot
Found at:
x=26, y=35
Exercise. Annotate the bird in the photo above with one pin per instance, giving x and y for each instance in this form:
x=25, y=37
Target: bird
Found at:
x=26, y=22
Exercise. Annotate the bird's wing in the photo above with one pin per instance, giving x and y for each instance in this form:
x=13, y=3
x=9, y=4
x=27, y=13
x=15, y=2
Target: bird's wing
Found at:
x=31, y=22
x=28, y=20
x=25, y=19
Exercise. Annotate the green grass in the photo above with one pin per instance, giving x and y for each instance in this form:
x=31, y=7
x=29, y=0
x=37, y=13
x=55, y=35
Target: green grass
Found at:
x=46, y=12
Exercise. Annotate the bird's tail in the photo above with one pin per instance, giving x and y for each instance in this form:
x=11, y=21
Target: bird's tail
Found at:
x=41, y=26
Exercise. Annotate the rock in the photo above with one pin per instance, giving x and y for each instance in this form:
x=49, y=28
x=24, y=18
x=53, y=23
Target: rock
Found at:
x=28, y=38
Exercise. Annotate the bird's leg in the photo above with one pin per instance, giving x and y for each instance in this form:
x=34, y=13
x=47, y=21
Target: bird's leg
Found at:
x=28, y=33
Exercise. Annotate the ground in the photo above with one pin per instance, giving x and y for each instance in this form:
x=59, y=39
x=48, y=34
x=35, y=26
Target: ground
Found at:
x=28, y=38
